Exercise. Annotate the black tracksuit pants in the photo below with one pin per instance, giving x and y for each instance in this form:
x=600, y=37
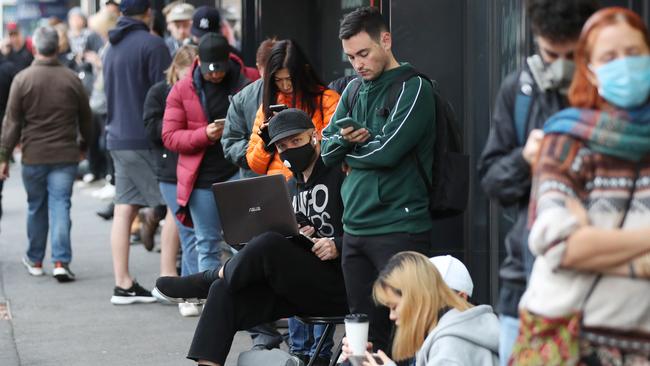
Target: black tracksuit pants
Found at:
x=363, y=258
x=270, y=278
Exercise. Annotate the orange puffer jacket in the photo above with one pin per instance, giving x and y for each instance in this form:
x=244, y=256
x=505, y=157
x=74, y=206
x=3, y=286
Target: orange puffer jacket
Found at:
x=261, y=161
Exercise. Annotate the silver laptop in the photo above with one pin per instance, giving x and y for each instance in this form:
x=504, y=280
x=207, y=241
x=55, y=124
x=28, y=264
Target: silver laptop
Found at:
x=252, y=206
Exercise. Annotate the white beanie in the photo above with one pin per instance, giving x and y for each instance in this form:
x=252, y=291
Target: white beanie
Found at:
x=454, y=273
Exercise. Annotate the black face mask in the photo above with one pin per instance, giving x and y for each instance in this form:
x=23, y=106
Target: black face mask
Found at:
x=299, y=158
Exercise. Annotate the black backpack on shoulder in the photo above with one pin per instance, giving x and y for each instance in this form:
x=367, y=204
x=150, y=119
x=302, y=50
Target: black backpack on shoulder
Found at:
x=449, y=190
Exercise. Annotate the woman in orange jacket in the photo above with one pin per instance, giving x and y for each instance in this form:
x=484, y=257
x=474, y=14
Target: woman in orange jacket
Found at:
x=290, y=80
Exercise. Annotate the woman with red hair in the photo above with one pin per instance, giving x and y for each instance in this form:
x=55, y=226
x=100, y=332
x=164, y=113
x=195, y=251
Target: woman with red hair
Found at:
x=588, y=299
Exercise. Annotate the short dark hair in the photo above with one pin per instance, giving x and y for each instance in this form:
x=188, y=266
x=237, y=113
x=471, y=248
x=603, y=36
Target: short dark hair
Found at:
x=366, y=19
x=264, y=51
x=559, y=21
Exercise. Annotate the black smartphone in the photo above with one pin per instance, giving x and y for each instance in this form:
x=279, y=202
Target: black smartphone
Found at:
x=277, y=107
x=348, y=122
x=377, y=359
x=303, y=241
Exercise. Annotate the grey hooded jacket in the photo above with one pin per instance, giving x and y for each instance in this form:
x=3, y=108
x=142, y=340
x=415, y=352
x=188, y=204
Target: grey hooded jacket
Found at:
x=467, y=338
x=239, y=125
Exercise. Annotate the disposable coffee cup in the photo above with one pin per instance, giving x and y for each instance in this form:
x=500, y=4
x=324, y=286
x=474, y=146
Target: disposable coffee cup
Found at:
x=356, y=331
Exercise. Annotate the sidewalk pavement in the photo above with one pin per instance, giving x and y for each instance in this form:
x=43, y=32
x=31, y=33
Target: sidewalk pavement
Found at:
x=74, y=323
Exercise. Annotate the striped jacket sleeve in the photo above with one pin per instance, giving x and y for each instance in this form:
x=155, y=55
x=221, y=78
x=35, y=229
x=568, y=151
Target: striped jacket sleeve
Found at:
x=412, y=115
x=333, y=146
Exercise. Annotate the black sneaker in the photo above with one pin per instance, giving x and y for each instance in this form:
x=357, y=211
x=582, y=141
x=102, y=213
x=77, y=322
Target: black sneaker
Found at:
x=132, y=295
x=106, y=213
x=193, y=288
x=304, y=359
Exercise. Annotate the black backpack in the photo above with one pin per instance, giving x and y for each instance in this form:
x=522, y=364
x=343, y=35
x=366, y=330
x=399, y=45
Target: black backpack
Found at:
x=449, y=190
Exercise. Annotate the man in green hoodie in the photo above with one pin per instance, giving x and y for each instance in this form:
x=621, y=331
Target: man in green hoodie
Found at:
x=385, y=199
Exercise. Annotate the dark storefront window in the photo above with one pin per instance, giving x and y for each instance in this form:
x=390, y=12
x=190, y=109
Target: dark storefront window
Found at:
x=510, y=38
x=314, y=24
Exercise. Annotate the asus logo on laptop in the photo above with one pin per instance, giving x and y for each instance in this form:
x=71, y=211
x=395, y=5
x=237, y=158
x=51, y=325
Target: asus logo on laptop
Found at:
x=255, y=209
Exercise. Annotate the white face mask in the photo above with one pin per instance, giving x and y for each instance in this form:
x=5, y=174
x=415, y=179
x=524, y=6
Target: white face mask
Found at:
x=554, y=76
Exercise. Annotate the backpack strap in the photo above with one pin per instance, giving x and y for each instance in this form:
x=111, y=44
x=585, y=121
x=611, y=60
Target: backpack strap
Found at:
x=522, y=105
x=395, y=90
x=390, y=102
x=353, y=93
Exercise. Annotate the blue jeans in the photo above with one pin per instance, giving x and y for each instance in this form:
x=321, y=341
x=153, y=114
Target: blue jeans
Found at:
x=49, y=188
x=304, y=338
x=189, y=259
x=207, y=227
x=508, y=332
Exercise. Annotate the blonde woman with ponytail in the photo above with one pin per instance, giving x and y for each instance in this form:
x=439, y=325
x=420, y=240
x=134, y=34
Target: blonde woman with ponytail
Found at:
x=433, y=323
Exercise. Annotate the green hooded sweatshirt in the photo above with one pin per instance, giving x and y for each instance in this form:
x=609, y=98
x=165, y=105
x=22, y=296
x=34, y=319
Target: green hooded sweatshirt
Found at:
x=384, y=193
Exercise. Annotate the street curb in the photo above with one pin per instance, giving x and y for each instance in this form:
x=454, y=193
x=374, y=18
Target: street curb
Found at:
x=8, y=351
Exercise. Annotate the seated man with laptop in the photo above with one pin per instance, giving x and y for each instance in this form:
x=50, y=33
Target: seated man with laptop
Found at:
x=278, y=273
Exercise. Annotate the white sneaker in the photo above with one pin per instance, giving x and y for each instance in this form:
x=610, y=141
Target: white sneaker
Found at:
x=104, y=193
x=88, y=178
x=188, y=309
x=161, y=298
x=34, y=269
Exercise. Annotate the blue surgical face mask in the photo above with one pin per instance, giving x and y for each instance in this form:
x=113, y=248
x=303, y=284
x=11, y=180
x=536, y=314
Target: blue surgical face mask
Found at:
x=625, y=82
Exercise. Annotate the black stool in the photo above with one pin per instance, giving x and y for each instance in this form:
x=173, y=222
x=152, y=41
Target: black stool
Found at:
x=330, y=323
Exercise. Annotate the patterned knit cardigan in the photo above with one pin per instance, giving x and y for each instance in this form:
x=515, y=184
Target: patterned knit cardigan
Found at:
x=566, y=167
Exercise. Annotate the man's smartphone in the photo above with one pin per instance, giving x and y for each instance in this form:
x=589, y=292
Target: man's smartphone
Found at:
x=219, y=121
x=348, y=122
x=277, y=107
x=303, y=241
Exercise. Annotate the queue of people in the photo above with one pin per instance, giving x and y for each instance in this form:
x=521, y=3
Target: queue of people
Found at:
x=568, y=152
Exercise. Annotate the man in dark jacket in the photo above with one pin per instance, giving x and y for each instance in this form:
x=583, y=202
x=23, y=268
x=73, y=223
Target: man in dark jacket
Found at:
x=255, y=287
x=527, y=98
x=16, y=48
x=48, y=131
x=133, y=63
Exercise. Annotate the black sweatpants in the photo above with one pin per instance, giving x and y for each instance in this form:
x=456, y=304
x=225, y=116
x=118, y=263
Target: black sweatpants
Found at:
x=363, y=258
x=269, y=279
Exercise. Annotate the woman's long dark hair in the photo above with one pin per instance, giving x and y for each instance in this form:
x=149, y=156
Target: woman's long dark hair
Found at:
x=306, y=84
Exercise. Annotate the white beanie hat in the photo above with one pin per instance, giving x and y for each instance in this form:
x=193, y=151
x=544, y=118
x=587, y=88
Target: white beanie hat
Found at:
x=454, y=273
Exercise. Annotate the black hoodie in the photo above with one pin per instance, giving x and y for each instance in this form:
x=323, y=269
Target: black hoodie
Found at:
x=318, y=201
x=134, y=62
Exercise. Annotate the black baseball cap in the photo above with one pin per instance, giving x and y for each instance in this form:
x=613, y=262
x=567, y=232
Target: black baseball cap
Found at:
x=287, y=123
x=214, y=51
x=134, y=7
x=206, y=19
